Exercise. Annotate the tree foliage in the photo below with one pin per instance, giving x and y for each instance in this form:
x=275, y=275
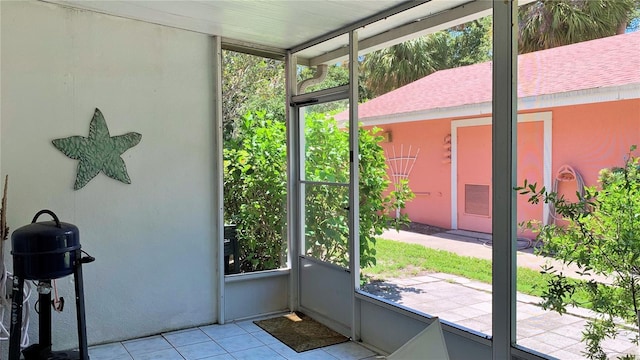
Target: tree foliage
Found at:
x=337, y=75
x=326, y=214
x=326, y=207
x=398, y=65
x=252, y=83
x=255, y=167
x=543, y=24
x=546, y=24
x=255, y=191
x=249, y=83
x=601, y=236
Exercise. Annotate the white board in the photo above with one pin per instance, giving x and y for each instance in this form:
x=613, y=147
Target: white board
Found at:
x=429, y=344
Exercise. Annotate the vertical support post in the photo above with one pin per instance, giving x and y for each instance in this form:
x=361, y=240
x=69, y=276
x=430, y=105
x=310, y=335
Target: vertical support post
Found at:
x=218, y=171
x=293, y=185
x=504, y=143
x=354, y=183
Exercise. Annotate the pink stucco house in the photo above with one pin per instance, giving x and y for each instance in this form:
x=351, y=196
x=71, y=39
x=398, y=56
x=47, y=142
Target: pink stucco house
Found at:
x=579, y=109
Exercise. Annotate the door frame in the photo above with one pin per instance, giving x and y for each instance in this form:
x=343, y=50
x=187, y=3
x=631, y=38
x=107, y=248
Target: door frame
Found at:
x=297, y=259
x=547, y=119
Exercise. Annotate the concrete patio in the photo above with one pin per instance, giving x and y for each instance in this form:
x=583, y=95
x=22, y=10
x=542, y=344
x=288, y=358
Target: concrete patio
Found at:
x=468, y=303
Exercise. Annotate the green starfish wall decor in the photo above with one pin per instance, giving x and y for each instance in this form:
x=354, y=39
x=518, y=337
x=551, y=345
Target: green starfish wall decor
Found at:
x=98, y=152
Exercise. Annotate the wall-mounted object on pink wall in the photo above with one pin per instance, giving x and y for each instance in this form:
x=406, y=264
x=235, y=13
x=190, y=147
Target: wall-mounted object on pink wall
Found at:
x=386, y=136
x=446, y=145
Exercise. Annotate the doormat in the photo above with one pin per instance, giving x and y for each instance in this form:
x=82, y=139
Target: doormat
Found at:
x=300, y=332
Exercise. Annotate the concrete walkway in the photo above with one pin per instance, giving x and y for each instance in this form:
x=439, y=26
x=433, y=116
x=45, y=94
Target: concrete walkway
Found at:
x=468, y=303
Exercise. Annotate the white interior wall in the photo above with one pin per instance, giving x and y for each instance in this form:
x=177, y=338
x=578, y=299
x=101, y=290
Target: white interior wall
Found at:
x=153, y=240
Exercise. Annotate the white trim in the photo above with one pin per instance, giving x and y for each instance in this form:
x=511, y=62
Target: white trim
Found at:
x=547, y=122
x=293, y=171
x=256, y=275
x=547, y=156
x=354, y=184
x=579, y=97
x=218, y=183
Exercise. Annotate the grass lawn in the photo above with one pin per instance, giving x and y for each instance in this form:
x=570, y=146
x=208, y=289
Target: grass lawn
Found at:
x=397, y=259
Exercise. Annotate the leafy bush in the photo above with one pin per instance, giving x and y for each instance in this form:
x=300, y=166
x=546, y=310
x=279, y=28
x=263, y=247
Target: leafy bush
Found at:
x=255, y=191
x=601, y=236
x=255, y=186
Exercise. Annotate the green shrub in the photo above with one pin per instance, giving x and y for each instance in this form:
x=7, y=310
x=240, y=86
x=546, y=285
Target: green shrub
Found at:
x=255, y=186
x=601, y=236
x=255, y=191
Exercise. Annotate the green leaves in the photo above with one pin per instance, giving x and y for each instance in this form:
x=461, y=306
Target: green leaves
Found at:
x=390, y=68
x=546, y=24
x=255, y=190
x=326, y=159
x=601, y=235
x=255, y=165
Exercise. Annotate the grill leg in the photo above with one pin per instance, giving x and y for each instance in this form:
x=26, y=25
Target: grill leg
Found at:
x=82, y=330
x=16, y=316
x=44, y=317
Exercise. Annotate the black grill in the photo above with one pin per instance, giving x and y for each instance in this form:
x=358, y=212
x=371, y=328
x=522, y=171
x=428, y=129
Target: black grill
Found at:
x=44, y=251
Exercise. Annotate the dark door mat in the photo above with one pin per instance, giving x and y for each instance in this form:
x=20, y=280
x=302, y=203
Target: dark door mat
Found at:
x=300, y=332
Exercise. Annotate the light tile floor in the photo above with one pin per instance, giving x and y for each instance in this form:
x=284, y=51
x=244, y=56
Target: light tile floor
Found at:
x=234, y=341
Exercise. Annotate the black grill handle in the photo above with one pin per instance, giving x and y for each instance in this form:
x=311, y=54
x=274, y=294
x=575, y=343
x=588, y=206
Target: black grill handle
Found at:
x=55, y=218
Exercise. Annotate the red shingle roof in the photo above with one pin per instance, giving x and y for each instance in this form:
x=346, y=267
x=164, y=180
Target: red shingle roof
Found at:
x=611, y=61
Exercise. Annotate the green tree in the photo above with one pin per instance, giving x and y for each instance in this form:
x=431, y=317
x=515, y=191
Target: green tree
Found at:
x=327, y=152
x=326, y=159
x=403, y=63
x=249, y=83
x=255, y=191
x=546, y=24
x=543, y=24
x=253, y=83
x=601, y=236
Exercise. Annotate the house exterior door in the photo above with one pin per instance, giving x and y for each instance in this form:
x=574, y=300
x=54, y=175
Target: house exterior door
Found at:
x=474, y=178
x=474, y=173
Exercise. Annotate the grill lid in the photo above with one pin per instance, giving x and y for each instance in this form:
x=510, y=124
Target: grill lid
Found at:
x=46, y=237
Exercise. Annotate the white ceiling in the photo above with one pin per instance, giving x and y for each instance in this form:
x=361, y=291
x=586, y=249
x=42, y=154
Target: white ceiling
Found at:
x=269, y=27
